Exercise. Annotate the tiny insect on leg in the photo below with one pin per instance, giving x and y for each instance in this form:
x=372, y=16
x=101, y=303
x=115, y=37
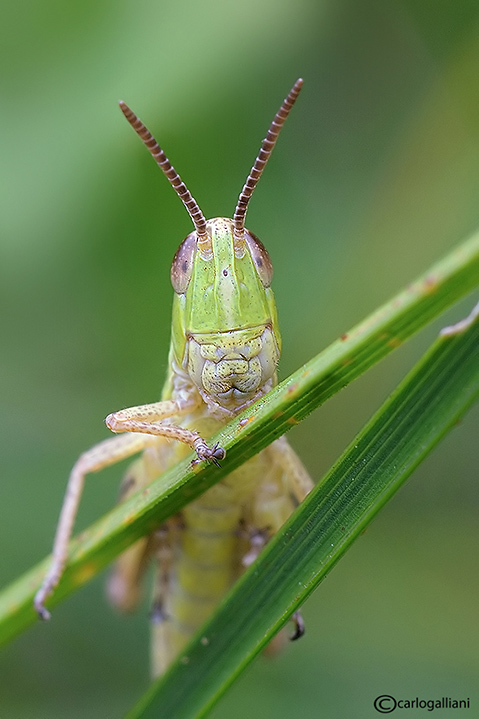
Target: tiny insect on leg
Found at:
x=101, y=455
x=147, y=419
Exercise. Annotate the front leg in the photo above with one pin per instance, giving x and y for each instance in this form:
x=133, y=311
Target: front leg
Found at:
x=150, y=419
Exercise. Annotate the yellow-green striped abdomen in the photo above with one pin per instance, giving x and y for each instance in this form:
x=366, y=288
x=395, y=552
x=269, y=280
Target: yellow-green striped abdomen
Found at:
x=209, y=547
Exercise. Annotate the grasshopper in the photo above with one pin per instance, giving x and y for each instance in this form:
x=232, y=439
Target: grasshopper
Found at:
x=225, y=346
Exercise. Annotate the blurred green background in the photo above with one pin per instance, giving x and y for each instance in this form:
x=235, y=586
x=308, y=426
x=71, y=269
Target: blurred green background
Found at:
x=376, y=175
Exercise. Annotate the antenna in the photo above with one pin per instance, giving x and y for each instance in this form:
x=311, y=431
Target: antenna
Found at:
x=175, y=180
x=263, y=157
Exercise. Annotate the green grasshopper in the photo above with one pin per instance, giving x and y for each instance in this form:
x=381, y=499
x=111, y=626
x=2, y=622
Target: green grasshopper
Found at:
x=225, y=346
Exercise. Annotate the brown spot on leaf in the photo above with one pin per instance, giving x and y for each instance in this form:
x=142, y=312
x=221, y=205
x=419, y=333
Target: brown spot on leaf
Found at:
x=430, y=284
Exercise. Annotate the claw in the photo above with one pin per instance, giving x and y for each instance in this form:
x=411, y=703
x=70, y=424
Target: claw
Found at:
x=257, y=540
x=42, y=612
x=298, y=622
x=215, y=454
x=158, y=614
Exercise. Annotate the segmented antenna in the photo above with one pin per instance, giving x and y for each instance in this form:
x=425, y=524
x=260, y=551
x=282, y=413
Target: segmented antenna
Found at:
x=161, y=159
x=263, y=157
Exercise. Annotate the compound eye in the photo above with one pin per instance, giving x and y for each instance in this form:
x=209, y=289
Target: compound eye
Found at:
x=182, y=265
x=260, y=258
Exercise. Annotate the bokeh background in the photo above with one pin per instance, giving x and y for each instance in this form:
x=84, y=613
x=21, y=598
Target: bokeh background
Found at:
x=375, y=176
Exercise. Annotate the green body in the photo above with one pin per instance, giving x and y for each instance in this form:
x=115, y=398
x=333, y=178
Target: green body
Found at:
x=227, y=368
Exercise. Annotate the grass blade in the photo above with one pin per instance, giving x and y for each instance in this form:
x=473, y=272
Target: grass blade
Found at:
x=425, y=406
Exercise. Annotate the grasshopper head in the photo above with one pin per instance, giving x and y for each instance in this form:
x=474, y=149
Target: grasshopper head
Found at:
x=224, y=284
x=225, y=331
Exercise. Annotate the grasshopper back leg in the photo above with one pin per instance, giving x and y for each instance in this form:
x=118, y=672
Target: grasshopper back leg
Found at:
x=286, y=485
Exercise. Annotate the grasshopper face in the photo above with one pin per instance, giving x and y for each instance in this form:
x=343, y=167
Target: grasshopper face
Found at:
x=225, y=329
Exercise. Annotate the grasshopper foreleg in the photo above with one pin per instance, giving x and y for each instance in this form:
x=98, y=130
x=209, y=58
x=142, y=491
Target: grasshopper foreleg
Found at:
x=101, y=455
x=149, y=419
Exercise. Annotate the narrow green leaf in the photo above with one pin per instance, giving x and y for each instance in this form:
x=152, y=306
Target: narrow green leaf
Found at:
x=401, y=434
x=347, y=358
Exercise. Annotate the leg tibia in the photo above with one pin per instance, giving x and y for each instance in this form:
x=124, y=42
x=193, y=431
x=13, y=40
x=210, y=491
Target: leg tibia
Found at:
x=101, y=455
x=297, y=477
x=148, y=419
